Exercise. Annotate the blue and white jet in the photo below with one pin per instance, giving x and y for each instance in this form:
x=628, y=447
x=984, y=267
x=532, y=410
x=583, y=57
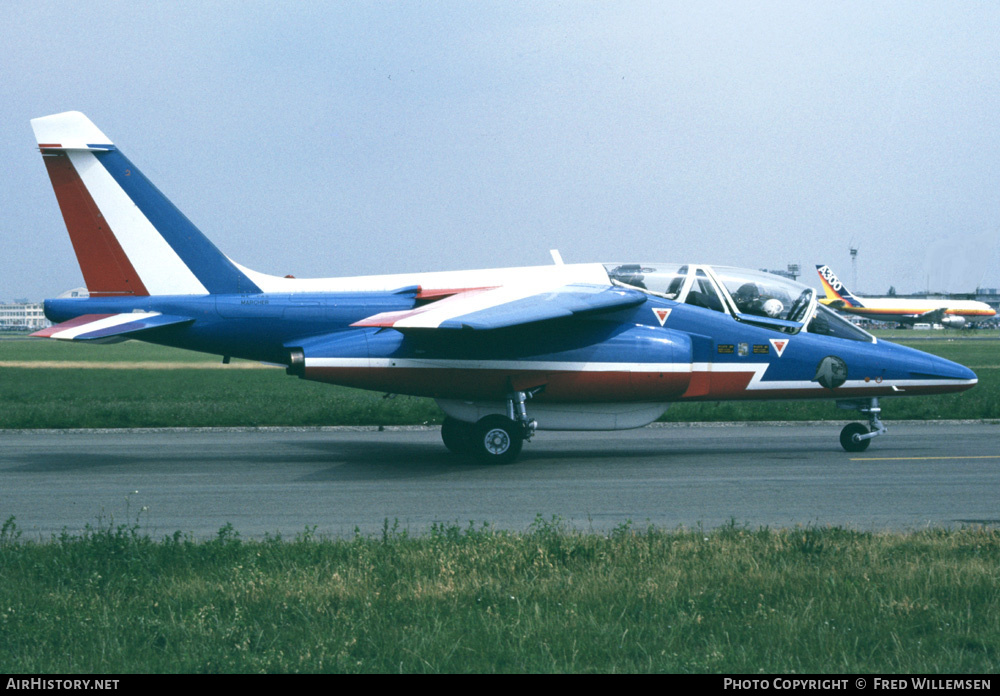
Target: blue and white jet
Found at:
x=504, y=352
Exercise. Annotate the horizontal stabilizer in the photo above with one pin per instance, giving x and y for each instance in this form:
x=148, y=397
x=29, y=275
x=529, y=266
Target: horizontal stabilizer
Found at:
x=109, y=328
x=507, y=306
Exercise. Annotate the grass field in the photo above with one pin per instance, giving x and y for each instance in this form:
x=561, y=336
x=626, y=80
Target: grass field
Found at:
x=477, y=600
x=549, y=599
x=49, y=384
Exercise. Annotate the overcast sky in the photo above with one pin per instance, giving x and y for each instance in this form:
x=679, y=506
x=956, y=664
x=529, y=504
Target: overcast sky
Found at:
x=328, y=139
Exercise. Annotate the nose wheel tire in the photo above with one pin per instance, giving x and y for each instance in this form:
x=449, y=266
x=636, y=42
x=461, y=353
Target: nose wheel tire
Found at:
x=497, y=440
x=848, y=434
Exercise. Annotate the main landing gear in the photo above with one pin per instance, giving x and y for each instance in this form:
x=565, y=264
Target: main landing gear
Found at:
x=494, y=439
x=855, y=437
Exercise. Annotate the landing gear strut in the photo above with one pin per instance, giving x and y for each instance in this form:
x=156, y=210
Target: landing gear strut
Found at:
x=855, y=437
x=495, y=439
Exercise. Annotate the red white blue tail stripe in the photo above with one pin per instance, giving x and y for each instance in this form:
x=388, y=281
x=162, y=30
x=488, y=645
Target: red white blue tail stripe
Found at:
x=97, y=327
x=129, y=238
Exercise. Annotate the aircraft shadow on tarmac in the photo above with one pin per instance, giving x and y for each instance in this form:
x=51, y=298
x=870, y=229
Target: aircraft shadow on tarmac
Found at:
x=42, y=463
x=367, y=461
x=349, y=459
x=362, y=459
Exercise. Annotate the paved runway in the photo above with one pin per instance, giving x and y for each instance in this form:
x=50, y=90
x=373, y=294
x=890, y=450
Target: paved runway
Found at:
x=283, y=481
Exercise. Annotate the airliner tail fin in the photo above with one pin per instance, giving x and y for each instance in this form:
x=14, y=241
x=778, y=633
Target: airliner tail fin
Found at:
x=837, y=293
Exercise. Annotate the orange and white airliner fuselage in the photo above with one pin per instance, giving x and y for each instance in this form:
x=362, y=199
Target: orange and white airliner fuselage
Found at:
x=954, y=314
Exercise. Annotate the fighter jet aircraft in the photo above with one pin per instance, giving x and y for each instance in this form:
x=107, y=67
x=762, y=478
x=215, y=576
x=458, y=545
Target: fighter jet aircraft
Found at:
x=954, y=314
x=505, y=352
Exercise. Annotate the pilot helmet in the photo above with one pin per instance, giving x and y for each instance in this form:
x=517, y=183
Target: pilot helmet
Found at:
x=773, y=307
x=747, y=294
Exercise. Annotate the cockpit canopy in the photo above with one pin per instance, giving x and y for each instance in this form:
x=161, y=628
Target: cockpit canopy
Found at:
x=756, y=297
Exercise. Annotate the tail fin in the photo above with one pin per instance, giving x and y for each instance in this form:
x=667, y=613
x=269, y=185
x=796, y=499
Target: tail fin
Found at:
x=128, y=237
x=836, y=292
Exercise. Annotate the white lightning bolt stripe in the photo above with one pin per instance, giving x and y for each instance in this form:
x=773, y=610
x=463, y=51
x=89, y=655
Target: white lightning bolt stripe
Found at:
x=549, y=365
x=757, y=383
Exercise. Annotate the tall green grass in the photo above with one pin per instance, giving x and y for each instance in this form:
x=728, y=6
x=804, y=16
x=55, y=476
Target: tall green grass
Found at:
x=477, y=600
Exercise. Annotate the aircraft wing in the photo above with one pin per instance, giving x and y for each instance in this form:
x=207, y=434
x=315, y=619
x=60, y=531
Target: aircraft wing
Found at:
x=109, y=328
x=483, y=309
x=932, y=316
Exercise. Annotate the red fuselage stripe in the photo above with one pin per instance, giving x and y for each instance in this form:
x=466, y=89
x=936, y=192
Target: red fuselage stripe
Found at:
x=456, y=383
x=583, y=386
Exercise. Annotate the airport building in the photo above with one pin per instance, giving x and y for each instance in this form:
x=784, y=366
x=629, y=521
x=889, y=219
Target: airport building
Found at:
x=21, y=315
x=990, y=296
x=792, y=272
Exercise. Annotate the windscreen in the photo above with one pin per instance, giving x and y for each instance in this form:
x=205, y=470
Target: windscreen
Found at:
x=829, y=323
x=753, y=293
x=765, y=294
x=663, y=279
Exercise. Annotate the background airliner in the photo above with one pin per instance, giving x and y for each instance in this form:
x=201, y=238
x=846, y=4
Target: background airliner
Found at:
x=955, y=314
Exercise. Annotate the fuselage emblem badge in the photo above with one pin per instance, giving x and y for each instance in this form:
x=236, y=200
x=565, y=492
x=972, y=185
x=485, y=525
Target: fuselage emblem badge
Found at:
x=661, y=314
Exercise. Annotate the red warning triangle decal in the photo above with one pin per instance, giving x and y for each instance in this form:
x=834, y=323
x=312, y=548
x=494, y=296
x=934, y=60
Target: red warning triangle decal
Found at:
x=661, y=314
x=779, y=345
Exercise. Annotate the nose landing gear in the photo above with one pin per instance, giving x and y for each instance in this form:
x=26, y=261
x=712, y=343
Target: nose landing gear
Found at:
x=855, y=437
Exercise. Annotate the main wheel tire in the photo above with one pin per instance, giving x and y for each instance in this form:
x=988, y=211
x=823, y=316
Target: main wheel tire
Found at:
x=497, y=440
x=457, y=436
x=847, y=435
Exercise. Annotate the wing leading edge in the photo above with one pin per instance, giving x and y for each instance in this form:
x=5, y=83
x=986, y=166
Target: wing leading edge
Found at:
x=507, y=306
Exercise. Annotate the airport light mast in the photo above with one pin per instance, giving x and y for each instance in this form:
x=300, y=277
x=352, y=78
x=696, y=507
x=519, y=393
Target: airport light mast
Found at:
x=854, y=266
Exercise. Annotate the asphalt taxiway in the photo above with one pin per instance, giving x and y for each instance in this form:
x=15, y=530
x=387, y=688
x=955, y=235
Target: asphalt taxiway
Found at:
x=284, y=481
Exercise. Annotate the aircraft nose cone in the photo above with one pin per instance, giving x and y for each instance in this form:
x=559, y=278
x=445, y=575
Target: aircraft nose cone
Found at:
x=941, y=368
x=930, y=371
x=954, y=370
x=939, y=375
